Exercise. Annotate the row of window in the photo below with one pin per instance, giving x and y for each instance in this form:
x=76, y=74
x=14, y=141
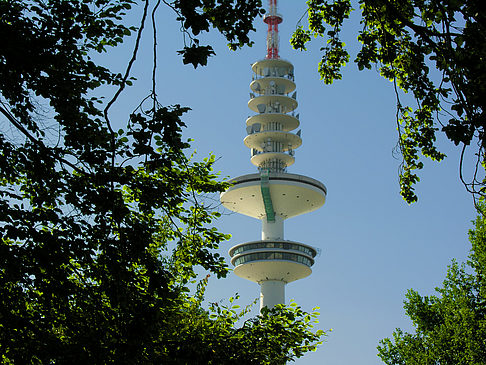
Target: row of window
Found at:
x=272, y=89
x=279, y=170
x=274, y=72
x=273, y=126
x=273, y=146
x=270, y=244
x=273, y=256
x=273, y=165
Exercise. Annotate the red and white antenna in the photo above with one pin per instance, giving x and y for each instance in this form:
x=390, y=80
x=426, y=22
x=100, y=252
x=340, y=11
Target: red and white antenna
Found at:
x=273, y=19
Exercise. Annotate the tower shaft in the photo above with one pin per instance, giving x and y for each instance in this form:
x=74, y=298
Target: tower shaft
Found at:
x=272, y=292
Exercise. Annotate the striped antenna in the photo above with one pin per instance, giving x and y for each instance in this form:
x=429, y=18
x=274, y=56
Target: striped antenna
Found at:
x=273, y=19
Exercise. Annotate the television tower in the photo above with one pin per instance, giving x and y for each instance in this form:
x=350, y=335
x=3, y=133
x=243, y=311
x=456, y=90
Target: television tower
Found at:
x=273, y=195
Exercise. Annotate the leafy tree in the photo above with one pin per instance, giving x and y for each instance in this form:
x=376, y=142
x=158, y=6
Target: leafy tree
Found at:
x=404, y=40
x=102, y=229
x=449, y=328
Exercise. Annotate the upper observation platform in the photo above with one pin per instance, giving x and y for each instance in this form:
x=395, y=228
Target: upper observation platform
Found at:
x=291, y=195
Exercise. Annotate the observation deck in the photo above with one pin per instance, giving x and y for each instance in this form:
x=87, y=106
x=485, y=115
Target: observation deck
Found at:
x=279, y=260
x=291, y=195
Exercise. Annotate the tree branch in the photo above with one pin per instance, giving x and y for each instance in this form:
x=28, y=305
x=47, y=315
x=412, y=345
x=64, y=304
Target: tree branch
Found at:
x=34, y=140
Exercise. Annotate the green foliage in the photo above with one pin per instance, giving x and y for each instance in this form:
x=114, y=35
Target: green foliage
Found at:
x=334, y=55
x=450, y=328
x=232, y=18
x=276, y=336
x=102, y=230
x=403, y=39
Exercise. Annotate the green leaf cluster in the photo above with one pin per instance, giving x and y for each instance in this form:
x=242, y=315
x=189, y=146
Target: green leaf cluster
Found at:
x=334, y=55
x=403, y=40
x=232, y=18
x=450, y=327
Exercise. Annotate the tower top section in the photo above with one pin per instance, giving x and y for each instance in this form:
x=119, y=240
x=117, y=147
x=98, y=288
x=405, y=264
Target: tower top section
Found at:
x=273, y=19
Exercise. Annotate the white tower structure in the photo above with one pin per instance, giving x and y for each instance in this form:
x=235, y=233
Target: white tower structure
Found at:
x=273, y=195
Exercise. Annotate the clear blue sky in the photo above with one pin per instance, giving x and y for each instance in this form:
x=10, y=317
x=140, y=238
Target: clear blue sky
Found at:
x=374, y=246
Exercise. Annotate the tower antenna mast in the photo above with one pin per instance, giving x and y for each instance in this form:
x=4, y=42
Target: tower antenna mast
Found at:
x=273, y=19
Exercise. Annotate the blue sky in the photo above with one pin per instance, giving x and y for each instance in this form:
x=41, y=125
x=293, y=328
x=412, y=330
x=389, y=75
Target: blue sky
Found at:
x=374, y=246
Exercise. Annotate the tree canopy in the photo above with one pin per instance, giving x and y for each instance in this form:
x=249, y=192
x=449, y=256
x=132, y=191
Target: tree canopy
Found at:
x=432, y=49
x=102, y=229
x=450, y=327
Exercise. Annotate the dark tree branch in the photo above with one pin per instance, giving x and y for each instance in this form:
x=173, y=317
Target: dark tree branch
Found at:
x=37, y=142
x=122, y=87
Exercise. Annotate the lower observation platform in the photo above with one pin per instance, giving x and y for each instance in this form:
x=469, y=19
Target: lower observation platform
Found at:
x=291, y=195
x=275, y=270
x=275, y=260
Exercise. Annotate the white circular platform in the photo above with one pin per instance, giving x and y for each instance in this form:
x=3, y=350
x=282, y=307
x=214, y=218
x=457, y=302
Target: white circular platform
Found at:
x=287, y=104
x=288, y=122
x=291, y=194
x=259, y=85
x=259, y=159
x=286, y=271
x=289, y=140
x=259, y=66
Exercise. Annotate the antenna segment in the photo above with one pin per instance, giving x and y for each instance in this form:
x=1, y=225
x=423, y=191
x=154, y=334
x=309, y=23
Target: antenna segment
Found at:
x=273, y=19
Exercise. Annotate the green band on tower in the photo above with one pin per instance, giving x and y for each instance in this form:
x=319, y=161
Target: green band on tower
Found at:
x=267, y=199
